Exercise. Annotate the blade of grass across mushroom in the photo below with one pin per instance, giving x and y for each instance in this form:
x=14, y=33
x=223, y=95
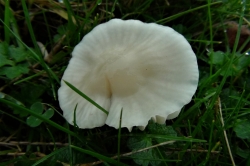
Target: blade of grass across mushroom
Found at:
x=85, y=97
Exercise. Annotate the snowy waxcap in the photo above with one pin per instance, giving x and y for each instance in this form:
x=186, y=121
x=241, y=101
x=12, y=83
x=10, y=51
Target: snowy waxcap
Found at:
x=147, y=69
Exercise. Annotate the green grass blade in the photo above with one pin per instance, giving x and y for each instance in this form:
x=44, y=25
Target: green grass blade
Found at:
x=7, y=22
x=32, y=34
x=85, y=97
x=210, y=143
x=10, y=115
x=52, y=137
x=210, y=34
x=30, y=77
x=71, y=14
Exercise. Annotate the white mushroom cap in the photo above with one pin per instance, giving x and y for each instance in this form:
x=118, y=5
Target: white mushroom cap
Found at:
x=147, y=69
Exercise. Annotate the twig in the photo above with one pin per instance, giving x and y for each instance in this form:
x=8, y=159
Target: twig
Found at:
x=39, y=154
x=196, y=150
x=225, y=133
x=15, y=143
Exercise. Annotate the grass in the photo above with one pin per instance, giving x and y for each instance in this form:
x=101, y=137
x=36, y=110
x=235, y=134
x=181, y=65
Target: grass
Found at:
x=214, y=129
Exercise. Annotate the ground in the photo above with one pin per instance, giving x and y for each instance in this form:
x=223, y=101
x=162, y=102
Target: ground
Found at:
x=36, y=41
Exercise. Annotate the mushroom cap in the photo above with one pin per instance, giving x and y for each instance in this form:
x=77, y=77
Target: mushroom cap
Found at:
x=146, y=69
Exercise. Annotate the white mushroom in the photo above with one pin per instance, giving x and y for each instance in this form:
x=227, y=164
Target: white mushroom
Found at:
x=147, y=69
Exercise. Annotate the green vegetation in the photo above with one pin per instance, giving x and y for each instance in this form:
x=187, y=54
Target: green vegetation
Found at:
x=214, y=129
